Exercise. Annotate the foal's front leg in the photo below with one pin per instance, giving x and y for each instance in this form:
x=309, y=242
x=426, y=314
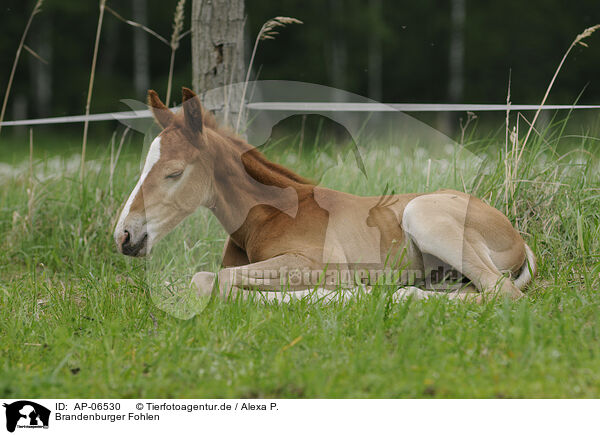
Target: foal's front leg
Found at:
x=270, y=275
x=280, y=278
x=275, y=274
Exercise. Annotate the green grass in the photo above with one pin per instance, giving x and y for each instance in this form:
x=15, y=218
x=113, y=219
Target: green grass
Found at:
x=77, y=319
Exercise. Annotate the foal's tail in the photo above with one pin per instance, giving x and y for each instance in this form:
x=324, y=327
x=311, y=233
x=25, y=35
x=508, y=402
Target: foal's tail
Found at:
x=528, y=269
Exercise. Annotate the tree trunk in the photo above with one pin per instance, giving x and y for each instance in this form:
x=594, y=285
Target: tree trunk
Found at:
x=375, y=56
x=141, y=53
x=41, y=73
x=338, y=48
x=456, y=58
x=218, y=55
x=107, y=57
x=457, y=51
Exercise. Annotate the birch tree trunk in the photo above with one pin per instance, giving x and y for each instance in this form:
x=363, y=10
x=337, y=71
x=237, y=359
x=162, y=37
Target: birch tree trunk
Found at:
x=218, y=55
x=456, y=59
x=338, y=48
x=41, y=71
x=141, y=53
x=375, y=55
x=457, y=51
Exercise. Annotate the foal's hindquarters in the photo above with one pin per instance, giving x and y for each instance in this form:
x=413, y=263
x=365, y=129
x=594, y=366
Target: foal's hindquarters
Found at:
x=454, y=228
x=473, y=238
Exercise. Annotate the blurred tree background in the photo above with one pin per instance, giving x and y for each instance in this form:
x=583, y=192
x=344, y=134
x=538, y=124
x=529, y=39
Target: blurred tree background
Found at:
x=389, y=50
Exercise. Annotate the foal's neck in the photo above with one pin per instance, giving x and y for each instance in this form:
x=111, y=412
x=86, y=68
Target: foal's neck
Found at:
x=244, y=179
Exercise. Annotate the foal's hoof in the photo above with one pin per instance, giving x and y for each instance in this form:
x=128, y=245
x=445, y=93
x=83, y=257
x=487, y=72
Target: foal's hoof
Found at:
x=203, y=282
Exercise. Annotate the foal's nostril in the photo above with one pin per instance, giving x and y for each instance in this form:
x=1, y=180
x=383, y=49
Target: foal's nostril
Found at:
x=131, y=246
x=125, y=238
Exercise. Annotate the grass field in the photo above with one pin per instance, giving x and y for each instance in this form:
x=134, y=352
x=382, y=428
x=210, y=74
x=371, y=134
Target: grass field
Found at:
x=77, y=319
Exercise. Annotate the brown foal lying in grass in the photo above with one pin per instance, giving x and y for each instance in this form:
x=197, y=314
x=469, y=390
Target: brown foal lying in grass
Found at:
x=285, y=232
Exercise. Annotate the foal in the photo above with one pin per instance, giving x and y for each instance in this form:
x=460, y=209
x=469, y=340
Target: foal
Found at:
x=284, y=230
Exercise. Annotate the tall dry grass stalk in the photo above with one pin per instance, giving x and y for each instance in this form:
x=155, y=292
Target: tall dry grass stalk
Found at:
x=267, y=31
x=514, y=148
x=464, y=126
x=114, y=158
x=507, y=167
x=228, y=91
x=175, y=37
x=90, y=89
x=428, y=174
x=36, y=9
x=173, y=44
x=138, y=25
x=31, y=188
x=578, y=40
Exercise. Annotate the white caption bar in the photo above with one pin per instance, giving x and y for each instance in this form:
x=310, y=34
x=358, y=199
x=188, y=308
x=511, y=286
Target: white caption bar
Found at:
x=274, y=416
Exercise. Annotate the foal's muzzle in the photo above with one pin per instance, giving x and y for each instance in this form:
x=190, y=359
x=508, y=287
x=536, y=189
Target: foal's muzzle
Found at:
x=134, y=248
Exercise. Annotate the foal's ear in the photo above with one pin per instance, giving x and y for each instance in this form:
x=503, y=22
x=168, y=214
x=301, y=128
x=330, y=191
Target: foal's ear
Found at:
x=161, y=113
x=192, y=110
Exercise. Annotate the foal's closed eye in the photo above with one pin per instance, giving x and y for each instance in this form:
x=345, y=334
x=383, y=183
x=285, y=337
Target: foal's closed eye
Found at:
x=175, y=174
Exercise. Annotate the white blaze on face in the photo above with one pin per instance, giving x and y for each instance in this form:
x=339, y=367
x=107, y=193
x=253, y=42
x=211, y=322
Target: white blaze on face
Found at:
x=151, y=159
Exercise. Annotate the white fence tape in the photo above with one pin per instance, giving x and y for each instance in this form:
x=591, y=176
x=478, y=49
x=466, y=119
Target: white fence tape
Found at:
x=313, y=107
x=81, y=118
x=403, y=107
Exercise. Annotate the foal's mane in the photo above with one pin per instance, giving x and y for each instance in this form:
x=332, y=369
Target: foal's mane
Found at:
x=267, y=172
x=255, y=162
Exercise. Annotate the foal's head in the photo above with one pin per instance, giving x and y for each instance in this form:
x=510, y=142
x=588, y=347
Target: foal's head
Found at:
x=175, y=181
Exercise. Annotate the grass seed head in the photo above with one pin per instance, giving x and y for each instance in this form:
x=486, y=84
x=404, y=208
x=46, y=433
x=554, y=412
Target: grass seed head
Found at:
x=268, y=29
x=177, y=24
x=585, y=34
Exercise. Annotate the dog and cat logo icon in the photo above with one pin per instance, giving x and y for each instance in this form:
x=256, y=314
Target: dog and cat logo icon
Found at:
x=25, y=414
